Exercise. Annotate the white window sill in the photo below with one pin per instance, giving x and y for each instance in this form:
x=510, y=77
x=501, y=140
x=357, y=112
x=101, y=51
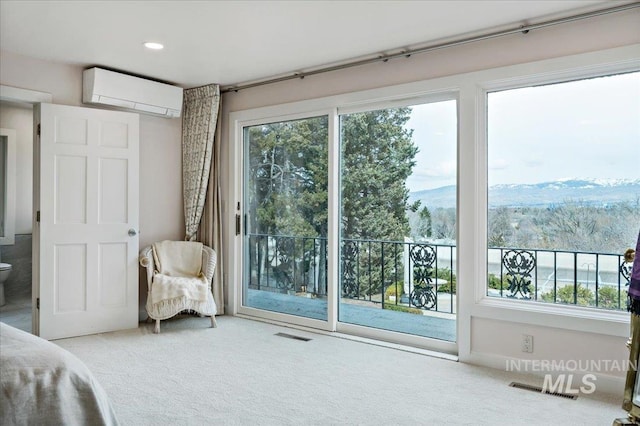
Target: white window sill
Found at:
x=576, y=318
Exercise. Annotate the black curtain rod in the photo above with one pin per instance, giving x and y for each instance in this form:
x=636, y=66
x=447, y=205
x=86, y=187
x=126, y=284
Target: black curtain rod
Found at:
x=407, y=53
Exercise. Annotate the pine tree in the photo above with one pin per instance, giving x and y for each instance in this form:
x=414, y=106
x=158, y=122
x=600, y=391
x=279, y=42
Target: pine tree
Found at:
x=287, y=189
x=425, y=228
x=377, y=158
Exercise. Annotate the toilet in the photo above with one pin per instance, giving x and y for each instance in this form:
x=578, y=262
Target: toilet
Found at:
x=5, y=271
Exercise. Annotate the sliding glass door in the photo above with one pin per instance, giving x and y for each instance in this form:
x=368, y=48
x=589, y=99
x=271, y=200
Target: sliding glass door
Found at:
x=389, y=178
x=398, y=219
x=285, y=232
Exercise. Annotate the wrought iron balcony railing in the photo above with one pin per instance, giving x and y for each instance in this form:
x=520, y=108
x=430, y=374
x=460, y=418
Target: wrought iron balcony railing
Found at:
x=559, y=276
x=417, y=277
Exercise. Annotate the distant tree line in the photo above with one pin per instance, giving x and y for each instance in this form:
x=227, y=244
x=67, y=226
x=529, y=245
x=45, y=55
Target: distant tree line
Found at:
x=573, y=226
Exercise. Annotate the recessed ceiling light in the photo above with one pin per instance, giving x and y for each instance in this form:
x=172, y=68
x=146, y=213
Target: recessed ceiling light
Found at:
x=153, y=45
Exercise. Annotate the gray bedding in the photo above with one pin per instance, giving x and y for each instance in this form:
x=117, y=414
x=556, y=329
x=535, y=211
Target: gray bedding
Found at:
x=43, y=384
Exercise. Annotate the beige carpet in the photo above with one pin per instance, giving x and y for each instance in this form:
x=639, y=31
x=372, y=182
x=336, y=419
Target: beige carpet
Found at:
x=242, y=374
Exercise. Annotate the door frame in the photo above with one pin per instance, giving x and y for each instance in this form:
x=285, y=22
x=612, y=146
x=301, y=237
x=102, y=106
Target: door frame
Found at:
x=236, y=270
x=30, y=97
x=332, y=106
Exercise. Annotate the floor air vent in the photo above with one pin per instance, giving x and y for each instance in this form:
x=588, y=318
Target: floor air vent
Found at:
x=291, y=336
x=539, y=389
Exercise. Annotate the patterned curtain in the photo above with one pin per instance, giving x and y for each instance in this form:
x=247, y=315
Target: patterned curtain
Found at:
x=200, y=115
x=210, y=231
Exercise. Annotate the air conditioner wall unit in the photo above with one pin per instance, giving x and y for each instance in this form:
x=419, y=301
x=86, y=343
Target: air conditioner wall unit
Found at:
x=104, y=87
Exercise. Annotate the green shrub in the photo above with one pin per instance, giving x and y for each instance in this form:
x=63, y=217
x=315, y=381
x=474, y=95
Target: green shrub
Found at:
x=608, y=298
x=446, y=288
x=494, y=282
x=585, y=297
x=395, y=290
x=402, y=308
x=450, y=286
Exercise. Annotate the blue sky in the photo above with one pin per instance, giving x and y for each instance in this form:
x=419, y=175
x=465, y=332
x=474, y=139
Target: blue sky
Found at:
x=582, y=129
x=435, y=132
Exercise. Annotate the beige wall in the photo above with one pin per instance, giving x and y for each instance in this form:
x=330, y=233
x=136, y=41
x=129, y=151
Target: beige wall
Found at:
x=604, y=32
x=549, y=343
x=490, y=341
x=161, y=212
x=20, y=119
x=161, y=208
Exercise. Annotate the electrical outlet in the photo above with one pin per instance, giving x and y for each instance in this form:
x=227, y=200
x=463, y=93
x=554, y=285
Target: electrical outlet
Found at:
x=527, y=343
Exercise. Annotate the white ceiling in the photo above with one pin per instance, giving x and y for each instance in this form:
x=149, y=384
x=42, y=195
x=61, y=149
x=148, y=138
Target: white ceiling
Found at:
x=230, y=42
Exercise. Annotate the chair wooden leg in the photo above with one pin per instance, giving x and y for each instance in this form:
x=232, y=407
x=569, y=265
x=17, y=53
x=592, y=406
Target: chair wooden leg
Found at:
x=156, y=329
x=214, y=324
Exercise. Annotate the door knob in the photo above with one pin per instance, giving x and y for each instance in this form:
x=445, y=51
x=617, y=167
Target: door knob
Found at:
x=132, y=232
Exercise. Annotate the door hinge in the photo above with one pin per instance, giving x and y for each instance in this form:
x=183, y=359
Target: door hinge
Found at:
x=38, y=216
x=38, y=303
x=38, y=130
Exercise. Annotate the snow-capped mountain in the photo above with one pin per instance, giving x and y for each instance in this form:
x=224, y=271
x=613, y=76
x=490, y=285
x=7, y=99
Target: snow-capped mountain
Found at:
x=591, y=191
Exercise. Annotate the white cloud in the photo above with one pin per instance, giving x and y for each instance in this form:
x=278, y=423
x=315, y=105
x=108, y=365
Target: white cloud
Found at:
x=445, y=169
x=533, y=162
x=499, y=164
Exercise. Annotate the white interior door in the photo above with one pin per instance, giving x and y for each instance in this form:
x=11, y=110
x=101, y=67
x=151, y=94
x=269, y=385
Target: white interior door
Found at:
x=86, y=252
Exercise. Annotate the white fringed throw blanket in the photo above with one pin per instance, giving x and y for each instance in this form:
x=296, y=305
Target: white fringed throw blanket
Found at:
x=166, y=287
x=179, y=283
x=178, y=258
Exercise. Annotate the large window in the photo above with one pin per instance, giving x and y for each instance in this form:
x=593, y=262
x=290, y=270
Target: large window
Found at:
x=564, y=190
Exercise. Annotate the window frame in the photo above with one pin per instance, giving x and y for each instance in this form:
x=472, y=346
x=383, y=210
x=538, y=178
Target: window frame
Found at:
x=470, y=91
x=543, y=81
x=552, y=71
